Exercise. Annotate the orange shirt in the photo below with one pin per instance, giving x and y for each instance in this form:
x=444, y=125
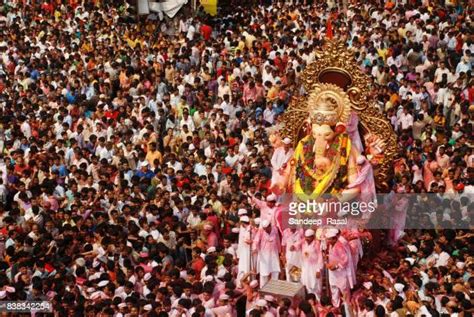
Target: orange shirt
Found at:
x=389, y=5
x=394, y=98
x=90, y=65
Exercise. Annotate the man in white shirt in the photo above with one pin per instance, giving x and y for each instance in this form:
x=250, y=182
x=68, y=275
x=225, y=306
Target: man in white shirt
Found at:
x=187, y=120
x=405, y=121
x=438, y=257
x=200, y=168
x=106, y=152
x=231, y=159
x=26, y=129
x=417, y=97
x=194, y=219
x=440, y=71
x=190, y=32
x=175, y=165
x=223, y=90
x=268, y=114
x=282, y=155
x=3, y=192
x=463, y=66
x=403, y=90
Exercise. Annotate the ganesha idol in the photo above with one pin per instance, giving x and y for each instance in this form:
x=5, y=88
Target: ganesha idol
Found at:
x=326, y=159
x=338, y=138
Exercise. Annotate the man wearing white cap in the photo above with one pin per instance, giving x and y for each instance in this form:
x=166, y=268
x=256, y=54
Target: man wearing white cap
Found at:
x=262, y=305
x=224, y=309
x=311, y=263
x=291, y=243
x=269, y=210
x=243, y=248
x=338, y=267
x=267, y=245
x=212, y=240
x=280, y=158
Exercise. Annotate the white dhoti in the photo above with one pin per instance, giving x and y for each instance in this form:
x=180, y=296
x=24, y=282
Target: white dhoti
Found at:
x=339, y=285
x=267, y=246
x=291, y=241
x=339, y=278
x=313, y=284
x=312, y=265
x=243, y=253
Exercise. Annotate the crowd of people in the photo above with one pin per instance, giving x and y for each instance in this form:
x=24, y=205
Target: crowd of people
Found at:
x=135, y=162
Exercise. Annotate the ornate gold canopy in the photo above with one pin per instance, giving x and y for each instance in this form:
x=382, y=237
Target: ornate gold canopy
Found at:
x=335, y=74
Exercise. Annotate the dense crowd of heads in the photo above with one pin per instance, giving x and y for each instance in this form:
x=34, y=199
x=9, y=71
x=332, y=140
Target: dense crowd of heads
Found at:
x=129, y=146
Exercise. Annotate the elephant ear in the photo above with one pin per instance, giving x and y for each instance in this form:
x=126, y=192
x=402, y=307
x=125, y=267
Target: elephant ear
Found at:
x=293, y=120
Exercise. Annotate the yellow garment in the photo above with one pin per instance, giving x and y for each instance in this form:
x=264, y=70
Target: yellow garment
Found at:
x=179, y=109
x=273, y=93
x=382, y=53
x=241, y=45
x=152, y=156
x=324, y=181
x=217, y=207
x=210, y=6
x=249, y=39
x=86, y=47
x=132, y=43
x=402, y=32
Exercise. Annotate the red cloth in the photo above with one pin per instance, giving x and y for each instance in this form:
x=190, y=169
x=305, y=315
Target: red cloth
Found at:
x=212, y=218
x=48, y=7
x=80, y=280
x=111, y=114
x=232, y=141
x=226, y=170
x=180, y=183
x=470, y=94
x=267, y=45
x=198, y=264
x=279, y=64
x=206, y=31
x=329, y=33
x=20, y=169
x=48, y=267
x=459, y=44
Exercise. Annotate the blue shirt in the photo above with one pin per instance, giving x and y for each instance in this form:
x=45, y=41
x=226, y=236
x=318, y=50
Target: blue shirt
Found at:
x=34, y=74
x=147, y=174
x=70, y=97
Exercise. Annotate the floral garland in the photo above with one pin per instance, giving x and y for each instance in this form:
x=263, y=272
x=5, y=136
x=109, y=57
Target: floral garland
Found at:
x=305, y=173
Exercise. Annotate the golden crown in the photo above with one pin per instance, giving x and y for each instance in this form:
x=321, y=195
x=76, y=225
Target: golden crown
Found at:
x=328, y=104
